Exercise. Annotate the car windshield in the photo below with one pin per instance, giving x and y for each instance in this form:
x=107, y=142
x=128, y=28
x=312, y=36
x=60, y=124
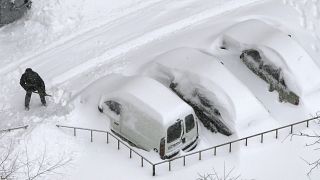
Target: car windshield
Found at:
x=189, y=123
x=114, y=106
x=174, y=132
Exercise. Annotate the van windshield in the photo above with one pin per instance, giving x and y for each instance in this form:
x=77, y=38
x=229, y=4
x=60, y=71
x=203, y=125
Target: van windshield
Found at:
x=174, y=132
x=189, y=123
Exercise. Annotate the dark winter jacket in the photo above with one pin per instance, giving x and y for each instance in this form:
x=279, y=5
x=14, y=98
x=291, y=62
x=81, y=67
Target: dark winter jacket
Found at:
x=31, y=81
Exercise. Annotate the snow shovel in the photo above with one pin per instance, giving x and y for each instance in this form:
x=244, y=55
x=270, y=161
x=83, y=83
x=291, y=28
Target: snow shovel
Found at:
x=45, y=94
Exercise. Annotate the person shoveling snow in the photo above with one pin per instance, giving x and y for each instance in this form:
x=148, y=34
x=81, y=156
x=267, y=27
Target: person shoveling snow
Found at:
x=33, y=83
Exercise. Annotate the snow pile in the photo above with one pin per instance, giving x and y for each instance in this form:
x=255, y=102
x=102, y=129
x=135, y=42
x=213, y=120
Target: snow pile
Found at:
x=309, y=12
x=44, y=23
x=193, y=70
x=281, y=50
x=54, y=16
x=46, y=20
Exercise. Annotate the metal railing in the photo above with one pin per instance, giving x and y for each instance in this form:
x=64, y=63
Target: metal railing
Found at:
x=245, y=139
x=200, y=152
x=143, y=159
x=13, y=129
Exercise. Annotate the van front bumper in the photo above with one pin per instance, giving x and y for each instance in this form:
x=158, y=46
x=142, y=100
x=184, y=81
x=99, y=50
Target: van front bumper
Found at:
x=187, y=148
x=191, y=145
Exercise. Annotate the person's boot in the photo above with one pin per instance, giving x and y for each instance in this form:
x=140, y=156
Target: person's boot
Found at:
x=43, y=99
x=27, y=101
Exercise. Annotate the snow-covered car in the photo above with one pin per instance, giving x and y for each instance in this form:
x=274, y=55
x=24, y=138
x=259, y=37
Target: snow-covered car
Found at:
x=275, y=57
x=11, y=10
x=221, y=102
x=150, y=116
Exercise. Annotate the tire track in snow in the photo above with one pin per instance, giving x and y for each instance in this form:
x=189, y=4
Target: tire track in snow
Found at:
x=149, y=37
x=85, y=34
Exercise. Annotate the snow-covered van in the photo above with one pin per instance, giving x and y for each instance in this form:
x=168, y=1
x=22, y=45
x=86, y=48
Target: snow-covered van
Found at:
x=150, y=116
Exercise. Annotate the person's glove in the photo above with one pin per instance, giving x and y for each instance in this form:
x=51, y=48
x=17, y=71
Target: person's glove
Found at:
x=30, y=88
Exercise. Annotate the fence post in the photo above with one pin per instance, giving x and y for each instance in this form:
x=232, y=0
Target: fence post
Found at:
x=291, y=131
x=74, y=132
x=215, y=151
x=307, y=123
x=199, y=155
x=262, y=138
x=169, y=165
x=118, y=144
x=130, y=153
x=230, y=147
x=246, y=141
x=276, y=133
x=91, y=136
x=107, y=137
x=184, y=161
x=153, y=170
x=141, y=161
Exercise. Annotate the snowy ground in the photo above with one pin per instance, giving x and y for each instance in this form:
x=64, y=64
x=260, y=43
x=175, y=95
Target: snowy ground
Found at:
x=73, y=43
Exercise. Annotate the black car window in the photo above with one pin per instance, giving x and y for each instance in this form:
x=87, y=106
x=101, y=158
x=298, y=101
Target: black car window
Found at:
x=189, y=123
x=174, y=132
x=114, y=106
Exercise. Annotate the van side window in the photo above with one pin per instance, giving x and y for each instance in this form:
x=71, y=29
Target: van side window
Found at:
x=114, y=106
x=189, y=123
x=174, y=132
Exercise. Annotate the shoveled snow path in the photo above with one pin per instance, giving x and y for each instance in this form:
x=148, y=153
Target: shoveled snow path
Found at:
x=89, y=30
x=101, y=45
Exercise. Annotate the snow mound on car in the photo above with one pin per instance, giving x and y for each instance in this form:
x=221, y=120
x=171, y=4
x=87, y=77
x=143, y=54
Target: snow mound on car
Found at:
x=191, y=67
x=279, y=48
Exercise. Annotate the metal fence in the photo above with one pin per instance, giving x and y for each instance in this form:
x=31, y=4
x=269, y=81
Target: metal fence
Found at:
x=13, y=129
x=108, y=135
x=200, y=152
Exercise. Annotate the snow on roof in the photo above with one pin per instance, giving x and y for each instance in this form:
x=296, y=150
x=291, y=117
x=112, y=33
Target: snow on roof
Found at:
x=299, y=68
x=208, y=72
x=155, y=99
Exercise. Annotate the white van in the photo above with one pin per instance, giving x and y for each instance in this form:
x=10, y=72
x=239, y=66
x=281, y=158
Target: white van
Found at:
x=150, y=116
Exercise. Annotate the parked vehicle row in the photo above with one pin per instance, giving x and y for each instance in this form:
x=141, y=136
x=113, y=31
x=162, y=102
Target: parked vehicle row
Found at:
x=159, y=110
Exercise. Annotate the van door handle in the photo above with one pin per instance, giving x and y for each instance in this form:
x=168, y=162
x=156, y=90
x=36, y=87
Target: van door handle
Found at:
x=116, y=123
